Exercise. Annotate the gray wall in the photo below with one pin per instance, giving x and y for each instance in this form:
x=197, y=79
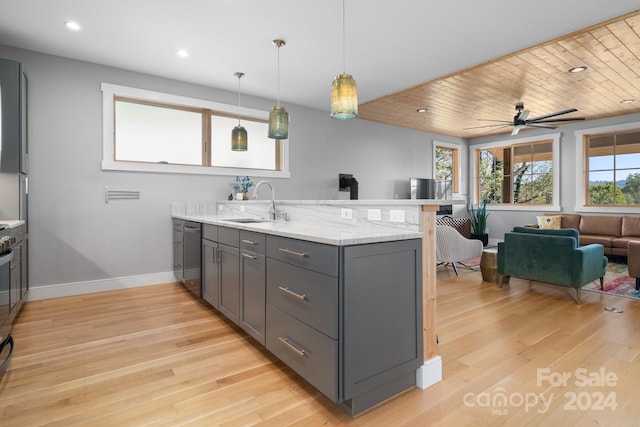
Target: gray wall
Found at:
x=76, y=237
x=500, y=222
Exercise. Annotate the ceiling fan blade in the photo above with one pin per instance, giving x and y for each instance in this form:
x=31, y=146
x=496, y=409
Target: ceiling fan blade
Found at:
x=488, y=126
x=534, y=125
x=515, y=130
x=568, y=119
x=559, y=113
x=523, y=115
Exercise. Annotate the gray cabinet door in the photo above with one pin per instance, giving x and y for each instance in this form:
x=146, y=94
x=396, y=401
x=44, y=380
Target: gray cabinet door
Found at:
x=210, y=273
x=177, y=248
x=252, y=294
x=382, y=306
x=229, y=282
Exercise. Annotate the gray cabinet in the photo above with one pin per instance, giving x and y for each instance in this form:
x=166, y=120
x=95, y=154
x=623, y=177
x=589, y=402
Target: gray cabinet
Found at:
x=221, y=270
x=347, y=319
x=178, y=241
x=252, y=284
x=210, y=265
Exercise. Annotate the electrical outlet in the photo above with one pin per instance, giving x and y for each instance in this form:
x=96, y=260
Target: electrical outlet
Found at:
x=374, y=214
x=396, y=215
x=346, y=213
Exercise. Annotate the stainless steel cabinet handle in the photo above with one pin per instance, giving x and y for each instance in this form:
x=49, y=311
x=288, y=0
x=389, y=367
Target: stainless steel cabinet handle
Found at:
x=299, y=351
x=191, y=230
x=249, y=242
x=249, y=256
x=217, y=253
x=292, y=293
x=294, y=253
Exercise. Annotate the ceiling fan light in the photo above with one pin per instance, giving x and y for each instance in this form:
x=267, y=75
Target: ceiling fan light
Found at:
x=239, y=139
x=278, y=123
x=576, y=70
x=344, y=97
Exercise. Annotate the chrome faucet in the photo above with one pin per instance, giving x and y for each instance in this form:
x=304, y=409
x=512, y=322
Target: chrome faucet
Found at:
x=272, y=211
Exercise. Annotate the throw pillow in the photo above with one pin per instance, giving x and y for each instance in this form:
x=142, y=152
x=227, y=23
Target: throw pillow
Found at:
x=549, y=222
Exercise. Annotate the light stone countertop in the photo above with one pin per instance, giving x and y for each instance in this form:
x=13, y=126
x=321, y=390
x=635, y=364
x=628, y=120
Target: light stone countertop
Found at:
x=317, y=220
x=331, y=234
x=11, y=223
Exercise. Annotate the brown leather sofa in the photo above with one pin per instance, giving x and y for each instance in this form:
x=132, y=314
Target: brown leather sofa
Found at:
x=612, y=232
x=633, y=262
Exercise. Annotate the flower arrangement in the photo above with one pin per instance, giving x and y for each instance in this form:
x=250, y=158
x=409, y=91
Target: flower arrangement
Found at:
x=244, y=183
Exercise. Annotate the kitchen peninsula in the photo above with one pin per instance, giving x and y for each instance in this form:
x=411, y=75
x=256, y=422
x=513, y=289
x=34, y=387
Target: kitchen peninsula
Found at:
x=341, y=291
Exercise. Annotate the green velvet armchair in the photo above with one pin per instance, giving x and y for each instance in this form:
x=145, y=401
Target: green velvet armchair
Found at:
x=551, y=256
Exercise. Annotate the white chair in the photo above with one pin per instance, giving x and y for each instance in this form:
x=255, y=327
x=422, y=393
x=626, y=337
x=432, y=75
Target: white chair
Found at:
x=452, y=247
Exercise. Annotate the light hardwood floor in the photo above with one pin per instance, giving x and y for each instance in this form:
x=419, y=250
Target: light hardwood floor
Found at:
x=156, y=356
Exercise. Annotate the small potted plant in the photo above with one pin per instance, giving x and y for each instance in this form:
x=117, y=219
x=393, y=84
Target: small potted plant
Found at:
x=479, y=222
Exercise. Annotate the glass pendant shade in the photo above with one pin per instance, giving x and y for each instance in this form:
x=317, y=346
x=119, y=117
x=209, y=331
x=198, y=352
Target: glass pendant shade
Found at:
x=239, y=138
x=278, y=123
x=344, y=97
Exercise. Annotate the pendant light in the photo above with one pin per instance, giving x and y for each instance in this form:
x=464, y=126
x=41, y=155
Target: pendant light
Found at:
x=278, y=117
x=344, y=92
x=239, y=133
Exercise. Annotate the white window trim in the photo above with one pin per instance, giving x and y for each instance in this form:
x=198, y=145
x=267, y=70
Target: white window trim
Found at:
x=581, y=169
x=555, y=206
x=458, y=172
x=110, y=90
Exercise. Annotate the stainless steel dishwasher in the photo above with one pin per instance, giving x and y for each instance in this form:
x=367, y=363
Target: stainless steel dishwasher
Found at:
x=192, y=244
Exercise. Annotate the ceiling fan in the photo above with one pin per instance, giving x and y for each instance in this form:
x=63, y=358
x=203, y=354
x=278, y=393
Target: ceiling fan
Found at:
x=520, y=120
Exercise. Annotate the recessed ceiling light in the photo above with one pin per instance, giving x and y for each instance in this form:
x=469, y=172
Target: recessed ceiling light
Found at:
x=628, y=101
x=422, y=110
x=72, y=25
x=183, y=53
x=575, y=70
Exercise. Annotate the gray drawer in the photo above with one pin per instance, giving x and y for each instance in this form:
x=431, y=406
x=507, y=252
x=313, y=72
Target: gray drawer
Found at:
x=309, y=296
x=229, y=236
x=253, y=242
x=308, y=352
x=314, y=256
x=177, y=225
x=210, y=232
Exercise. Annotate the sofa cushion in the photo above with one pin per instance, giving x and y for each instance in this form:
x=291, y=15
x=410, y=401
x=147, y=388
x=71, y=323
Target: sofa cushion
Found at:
x=570, y=221
x=623, y=242
x=549, y=222
x=601, y=225
x=631, y=226
x=587, y=239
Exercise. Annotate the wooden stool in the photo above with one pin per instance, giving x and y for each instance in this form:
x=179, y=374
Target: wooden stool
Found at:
x=489, y=267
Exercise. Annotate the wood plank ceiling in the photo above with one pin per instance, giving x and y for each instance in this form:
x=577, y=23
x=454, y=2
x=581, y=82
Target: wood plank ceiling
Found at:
x=537, y=76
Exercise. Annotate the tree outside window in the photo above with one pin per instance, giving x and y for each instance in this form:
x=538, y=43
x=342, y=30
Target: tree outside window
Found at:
x=446, y=165
x=613, y=169
x=519, y=174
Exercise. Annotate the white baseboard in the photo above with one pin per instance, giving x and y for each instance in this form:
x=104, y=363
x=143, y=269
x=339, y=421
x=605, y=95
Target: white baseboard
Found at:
x=91, y=286
x=429, y=373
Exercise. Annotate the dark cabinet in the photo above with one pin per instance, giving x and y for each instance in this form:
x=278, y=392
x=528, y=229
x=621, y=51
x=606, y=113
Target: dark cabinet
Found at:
x=347, y=319
x=178, y=242
x=229, y=264
x=252, y=284
x=210, y=273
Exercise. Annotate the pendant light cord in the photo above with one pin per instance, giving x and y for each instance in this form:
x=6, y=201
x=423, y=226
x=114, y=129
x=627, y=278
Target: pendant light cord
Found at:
x=278, y=75
x=344, y=38
x=239, y=77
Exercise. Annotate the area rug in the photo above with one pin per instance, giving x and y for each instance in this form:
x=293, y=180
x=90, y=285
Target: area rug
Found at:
x=616, y=280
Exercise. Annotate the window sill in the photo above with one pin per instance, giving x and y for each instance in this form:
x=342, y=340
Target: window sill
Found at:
x=109, y=165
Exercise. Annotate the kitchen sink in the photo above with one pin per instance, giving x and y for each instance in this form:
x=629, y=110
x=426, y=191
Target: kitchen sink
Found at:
x=246, y=220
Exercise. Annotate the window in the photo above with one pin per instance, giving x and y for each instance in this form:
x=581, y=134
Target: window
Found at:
x=612, y=165
x=446, y=164
x=517, y=173
x=155, y=132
